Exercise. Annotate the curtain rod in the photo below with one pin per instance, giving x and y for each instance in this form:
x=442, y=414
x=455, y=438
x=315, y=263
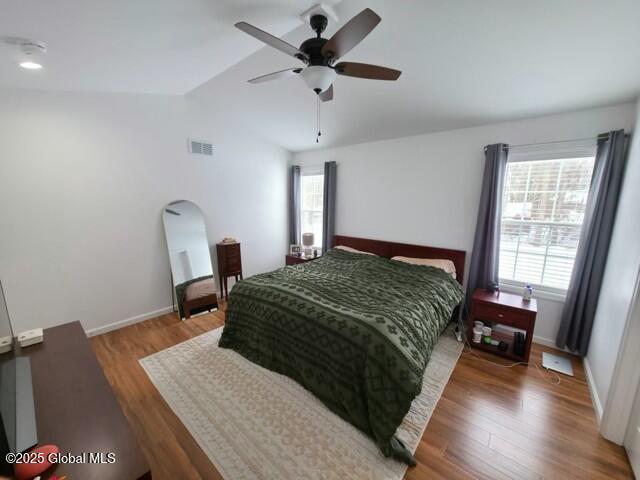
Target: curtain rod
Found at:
x=604, y=135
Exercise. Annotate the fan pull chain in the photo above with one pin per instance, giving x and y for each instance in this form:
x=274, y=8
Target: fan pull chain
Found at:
x=318, y=120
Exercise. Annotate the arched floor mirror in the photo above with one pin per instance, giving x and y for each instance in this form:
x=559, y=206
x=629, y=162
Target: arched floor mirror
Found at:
x=192, y=274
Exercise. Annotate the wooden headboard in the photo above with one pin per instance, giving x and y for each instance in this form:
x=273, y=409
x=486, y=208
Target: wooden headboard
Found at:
x=392, y=249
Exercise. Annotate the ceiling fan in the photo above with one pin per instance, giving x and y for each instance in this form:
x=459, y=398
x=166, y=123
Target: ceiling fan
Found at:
x=319, y=54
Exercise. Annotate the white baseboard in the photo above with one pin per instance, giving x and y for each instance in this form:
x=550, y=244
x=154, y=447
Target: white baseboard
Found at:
x=595, y=399
x=127, y=321
x=547, y=342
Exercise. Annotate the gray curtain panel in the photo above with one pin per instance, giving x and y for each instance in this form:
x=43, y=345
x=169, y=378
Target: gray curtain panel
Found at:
x=486, y=244
x=294, y=206
x=329, y=205
x=588, y=270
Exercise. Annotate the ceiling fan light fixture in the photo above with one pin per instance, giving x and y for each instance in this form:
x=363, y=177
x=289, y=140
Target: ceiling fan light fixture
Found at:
x=318, y=78
x=31, y=53
x=31, y=65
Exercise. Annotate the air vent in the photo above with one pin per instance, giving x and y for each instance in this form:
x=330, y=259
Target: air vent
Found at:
x=199, y=147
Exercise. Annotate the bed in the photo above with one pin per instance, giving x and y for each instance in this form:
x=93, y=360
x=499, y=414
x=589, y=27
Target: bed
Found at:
x=356, y=330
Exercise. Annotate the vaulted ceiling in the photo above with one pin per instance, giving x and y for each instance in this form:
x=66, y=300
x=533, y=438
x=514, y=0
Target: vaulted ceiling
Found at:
x=136, y=46
x=464, y=62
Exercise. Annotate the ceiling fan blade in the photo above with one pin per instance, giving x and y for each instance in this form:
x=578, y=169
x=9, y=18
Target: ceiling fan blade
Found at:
x=289, y=72
x=327, y=95
x=351, y=34
x=272, y=41
x=364, y=70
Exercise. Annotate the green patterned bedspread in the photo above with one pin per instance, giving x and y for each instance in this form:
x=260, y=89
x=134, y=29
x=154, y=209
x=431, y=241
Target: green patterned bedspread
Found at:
x=355, y=330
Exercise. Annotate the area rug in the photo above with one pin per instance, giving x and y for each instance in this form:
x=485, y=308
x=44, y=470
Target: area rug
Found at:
x=256, y=424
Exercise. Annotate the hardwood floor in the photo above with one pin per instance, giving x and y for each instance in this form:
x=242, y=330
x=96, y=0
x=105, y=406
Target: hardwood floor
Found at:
x=491, y=423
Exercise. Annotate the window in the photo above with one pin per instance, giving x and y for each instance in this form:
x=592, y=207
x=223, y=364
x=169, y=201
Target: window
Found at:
x=542, y=213
x=311, y=191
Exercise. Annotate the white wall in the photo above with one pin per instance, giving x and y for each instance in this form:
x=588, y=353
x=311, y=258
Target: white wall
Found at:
x=618, y=287
x=425, y=189
x=83, y=181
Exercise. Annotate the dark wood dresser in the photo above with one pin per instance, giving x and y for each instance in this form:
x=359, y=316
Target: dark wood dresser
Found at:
x=229, y=264
x=77, y=410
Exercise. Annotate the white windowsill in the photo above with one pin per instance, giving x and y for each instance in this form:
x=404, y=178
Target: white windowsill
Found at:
x=545, y=295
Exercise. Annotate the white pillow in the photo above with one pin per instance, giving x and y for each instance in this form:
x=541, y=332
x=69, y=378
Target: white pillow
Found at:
x=353, y=250
x=446, y=265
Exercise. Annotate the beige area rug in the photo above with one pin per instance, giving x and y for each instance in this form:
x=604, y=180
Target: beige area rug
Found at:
x=256, y=424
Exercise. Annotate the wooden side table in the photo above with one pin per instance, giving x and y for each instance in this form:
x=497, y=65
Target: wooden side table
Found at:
x=504, y=309
x=229, y=264
x=295, y=260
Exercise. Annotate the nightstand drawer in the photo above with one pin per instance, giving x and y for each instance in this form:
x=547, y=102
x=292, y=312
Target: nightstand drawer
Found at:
x=292, y=260
x=515, y=318
x=233, y=249
x=233, y=255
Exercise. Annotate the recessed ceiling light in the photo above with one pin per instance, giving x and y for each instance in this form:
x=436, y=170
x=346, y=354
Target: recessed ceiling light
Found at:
x=31, y=65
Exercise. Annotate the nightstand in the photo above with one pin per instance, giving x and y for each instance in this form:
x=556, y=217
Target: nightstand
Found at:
x=229, y=264
x=504, y=309
x=295, y=260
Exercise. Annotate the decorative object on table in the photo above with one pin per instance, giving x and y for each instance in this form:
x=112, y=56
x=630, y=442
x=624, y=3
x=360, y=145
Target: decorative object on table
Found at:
x=307, y=241
x=486, y=335
x=505, y=312
x=44, y=453
x=295, y=250
x=527, y=293
x=229, y=264
x=315, y=252
x=193, y=284
x=477, y=334
x=229, y=240
x=494, y=288
x=519, y=343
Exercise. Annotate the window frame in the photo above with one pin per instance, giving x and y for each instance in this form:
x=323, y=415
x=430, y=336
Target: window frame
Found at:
x=541, y=152
x=310, y=171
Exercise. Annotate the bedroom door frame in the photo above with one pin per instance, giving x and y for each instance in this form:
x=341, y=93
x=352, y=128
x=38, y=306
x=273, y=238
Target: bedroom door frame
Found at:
x=625, y=383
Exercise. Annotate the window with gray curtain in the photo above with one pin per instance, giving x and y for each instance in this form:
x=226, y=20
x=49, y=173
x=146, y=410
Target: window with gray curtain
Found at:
x=294, y=206
x=484, y=258
x=590, y=261
x=544, y=201
x=329, y=205
x=311, y=203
